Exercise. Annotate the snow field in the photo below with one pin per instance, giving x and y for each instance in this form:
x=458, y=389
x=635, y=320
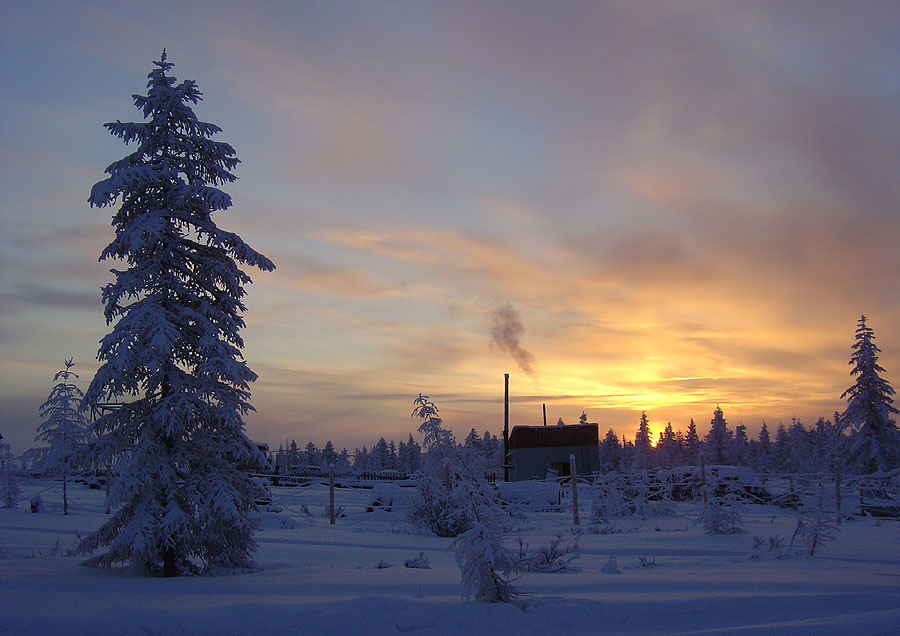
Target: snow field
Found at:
x=320, y=579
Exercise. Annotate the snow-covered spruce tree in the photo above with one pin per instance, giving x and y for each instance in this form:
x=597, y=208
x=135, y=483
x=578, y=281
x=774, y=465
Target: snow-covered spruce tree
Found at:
x=65, y=429
x=719, y=439
x=173, y=356
x=9, y=478
x=643, y=447
x=875, y=444
x=692, y=445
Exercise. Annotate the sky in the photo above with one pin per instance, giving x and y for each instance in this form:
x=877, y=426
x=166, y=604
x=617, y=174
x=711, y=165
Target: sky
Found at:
x=627, y=206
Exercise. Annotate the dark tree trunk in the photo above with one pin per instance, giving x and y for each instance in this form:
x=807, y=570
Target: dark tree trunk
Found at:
x=170, y=568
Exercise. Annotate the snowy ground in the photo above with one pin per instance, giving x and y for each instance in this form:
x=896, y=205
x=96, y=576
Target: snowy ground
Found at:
x=321, y=579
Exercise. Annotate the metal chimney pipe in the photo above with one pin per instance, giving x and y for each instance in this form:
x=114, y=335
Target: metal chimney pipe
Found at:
x=505, y=427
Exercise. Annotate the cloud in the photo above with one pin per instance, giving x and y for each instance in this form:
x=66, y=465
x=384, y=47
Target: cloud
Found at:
x=320, y=276
x=32, y=294
x=506, y=332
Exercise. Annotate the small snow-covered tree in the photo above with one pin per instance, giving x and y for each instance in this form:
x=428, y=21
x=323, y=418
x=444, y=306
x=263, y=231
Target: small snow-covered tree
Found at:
x=816, y=526
x=876, y=440
x=436, y=505
x=9, y=478
x=65, y=429
x=721, y=514
x=173, y=357
x=486, y=566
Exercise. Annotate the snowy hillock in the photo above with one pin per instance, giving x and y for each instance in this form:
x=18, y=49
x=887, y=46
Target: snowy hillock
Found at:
x=532, y=495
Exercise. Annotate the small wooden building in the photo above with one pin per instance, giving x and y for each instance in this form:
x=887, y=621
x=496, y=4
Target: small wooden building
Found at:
x=539, y=451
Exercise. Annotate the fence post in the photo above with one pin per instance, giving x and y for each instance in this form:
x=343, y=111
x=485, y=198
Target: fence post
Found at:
x=703, y=478
x=837, y=492
x=574, y=477
x=108, y=479
x=331, y=496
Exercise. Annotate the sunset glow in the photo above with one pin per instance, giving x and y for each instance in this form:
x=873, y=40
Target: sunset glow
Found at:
x=672, y=205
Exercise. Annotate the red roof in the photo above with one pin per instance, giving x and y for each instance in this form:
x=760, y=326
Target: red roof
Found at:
x=550, y=436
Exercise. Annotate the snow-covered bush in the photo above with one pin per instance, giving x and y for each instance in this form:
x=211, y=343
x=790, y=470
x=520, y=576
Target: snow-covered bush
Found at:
x=36, y=504
x=538, y=496
x=421, y=562
x=814, y=530
x=436, y=509
x=387, y=497
x=555, y=557
x=611, y=566
x=620, y=496
x=720, y=517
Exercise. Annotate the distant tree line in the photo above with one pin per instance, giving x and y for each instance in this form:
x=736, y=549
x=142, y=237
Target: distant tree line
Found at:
x=795, y=448
x=403, y=457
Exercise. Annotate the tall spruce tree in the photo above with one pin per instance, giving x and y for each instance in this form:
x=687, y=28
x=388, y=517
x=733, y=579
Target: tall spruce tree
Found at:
x=173, y=357
x=65, y=429
x=717, y=443
x=692, y=445
x=876, y=440
x=763, y=456
x=643, y=446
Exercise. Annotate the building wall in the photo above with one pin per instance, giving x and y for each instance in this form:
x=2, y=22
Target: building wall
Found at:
x=529, y=463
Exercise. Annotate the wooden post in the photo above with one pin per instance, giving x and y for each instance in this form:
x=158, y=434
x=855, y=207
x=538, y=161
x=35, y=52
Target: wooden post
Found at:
x=108, y=479
x=331, y=496
x=703, y=478
x=837, y=492
x=544, y=406
x=574, y=477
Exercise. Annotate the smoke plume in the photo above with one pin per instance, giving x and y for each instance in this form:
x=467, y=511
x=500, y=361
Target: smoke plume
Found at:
x=506, y=333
